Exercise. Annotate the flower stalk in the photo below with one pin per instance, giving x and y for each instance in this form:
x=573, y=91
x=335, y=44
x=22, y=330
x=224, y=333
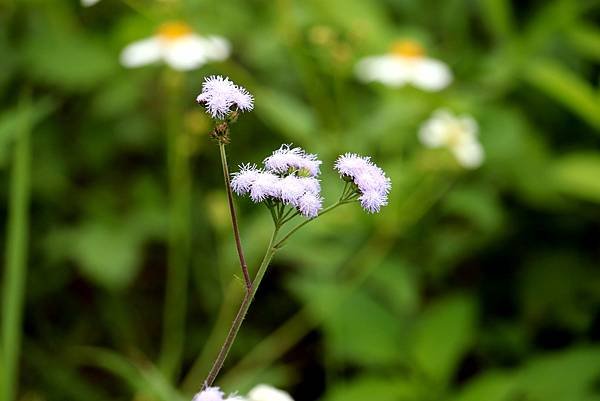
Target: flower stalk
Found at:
x=234, y=219
x=16, y=258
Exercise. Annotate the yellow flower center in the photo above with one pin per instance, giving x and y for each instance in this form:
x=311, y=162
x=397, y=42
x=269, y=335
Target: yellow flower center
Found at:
x=173, y=30
x=407, y=48
x=456, y=134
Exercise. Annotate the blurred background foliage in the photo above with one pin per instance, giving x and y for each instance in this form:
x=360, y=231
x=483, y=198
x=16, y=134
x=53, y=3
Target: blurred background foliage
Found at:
x=470, y=285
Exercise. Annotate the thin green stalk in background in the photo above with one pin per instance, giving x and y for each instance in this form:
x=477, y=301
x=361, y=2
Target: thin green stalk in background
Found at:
x=179, y=236
x=16, y=259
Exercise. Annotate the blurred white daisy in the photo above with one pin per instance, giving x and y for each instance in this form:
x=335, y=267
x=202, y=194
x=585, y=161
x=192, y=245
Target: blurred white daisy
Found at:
x=89, y=3
x=406, y=63
x=457, y=133
x=178, y=45
x=264, y=392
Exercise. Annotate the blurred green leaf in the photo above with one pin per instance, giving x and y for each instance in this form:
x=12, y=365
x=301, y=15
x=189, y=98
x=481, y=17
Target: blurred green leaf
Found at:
x=288, y=115
x=492, y=386
x=577, y=174
x=12, y=119
x=373, y=388
x=566, y=87
x=586, y=38
x=563, y=376
x=498, y=15
x=73, y=62
x=444, y=333
x=108, y=255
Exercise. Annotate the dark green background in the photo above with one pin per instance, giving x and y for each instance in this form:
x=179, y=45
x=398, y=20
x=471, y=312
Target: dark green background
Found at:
x=470, y=286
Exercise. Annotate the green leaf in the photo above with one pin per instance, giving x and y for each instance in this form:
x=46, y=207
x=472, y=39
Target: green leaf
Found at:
x=563, y=376
x=443, y=335
x=586, y=38
x=107, y=254
x=498, y=15
x=566, y=87
x=73, y=62
x=491, y=386
x=578, y=174
x=12, y=119
x=287, y=114
x=373, y=388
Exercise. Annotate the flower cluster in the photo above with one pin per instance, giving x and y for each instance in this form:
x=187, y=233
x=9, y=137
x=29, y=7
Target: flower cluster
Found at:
x=261, y=392
x=177, y=45
x=457, y=133
x=219, y=95
x=289, y=176
x=371, y=183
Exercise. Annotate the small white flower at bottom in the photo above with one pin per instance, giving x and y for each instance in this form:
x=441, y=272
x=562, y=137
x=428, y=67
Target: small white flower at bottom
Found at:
x=210, y=394
x=264, y=392
x=457, y=133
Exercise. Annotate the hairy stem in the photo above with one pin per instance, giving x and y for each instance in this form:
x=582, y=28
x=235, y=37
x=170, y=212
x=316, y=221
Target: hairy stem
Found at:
x=239, y=318
x=16, y=259
x=234, y=220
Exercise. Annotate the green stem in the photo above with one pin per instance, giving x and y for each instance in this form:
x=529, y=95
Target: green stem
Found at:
x=305, y=222
x=234, y=220
x=179, y=236
x=239, y=318
x=16, y=260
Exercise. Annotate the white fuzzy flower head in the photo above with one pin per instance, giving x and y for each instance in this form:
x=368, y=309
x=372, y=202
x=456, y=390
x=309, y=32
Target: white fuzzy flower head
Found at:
x=286, y=158
x=372, y=201
x=309, y=205
x=370, y=180
x=351, y=164
x=209, y=394
x=242, y=181
x=176, y=44
x=89, y=3
x=220, y=96
x=289, y=177
x=291, y=188
x=266, y=185
x=458, y=133
x=264, y=392
x=406, y=63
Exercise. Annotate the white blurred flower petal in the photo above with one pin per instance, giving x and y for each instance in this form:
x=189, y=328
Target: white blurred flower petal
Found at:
x=141, y=52
x=431, y=75
x=217, y=48
x=469, y=154
x=186, y=53
x=264, y=392
x=89, y=3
